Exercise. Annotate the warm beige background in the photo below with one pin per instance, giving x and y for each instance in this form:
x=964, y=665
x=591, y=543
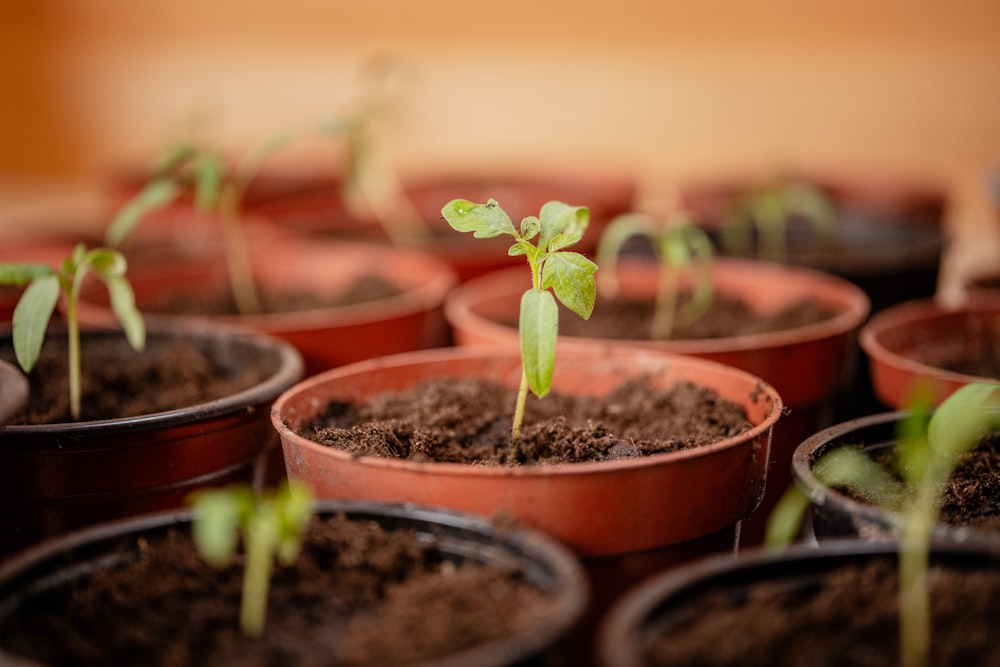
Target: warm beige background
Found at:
x=667, y=88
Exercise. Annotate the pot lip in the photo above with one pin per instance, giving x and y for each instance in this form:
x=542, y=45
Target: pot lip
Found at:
x=853, y=310
x=618, y=631
x=495, y=352
x=913, y=314
x=290, y=370
x=570, y=582
x=822, y=495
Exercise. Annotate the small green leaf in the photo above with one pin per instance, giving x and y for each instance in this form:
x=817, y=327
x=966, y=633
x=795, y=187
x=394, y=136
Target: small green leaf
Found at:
x=153, y=196
x=962, y=419
x=571, y=275
x=558, y=218
x=518, y=249
x=106, y=263
x=173, y=159
x=485, y=220
x=18, y=273
x=530, y=227
x=539, y=329
x=617, y=233
x=31, y=319
x=208, y=177
x=215, y=524
x=123, y=306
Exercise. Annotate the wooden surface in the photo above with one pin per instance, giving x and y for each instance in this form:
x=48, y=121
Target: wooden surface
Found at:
x=666, y=89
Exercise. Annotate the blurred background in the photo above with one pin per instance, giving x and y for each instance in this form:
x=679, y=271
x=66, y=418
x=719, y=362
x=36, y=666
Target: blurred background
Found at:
x=665, y=89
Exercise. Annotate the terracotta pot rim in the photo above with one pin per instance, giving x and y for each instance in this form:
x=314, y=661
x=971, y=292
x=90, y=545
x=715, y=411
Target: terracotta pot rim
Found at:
x=289, y=371
x=916, y=313
x=852, y=311
x=487, y=352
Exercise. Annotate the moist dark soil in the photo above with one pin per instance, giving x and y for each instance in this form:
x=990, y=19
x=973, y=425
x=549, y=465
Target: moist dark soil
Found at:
x=850, y=617
x=972, y=497
x=357, y=595
x=368, y=287
x=632, y=320
x=117, y=381
x=468, y=420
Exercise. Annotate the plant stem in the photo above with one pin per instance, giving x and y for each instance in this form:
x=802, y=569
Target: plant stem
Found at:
x=73, y=334
x=666, y=304
x=259, y=539
x=515, y=429
x=914, y=596
x=234, y=243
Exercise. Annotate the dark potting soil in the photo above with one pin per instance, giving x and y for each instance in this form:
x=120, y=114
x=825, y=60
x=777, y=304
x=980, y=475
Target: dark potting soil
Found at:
x=849, y=618
x=357, y=595
x=368, y=287
x=468, y=420
x=633, y=320
x=116, y=381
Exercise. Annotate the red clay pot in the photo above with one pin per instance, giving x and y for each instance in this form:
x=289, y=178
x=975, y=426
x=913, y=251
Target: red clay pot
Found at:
x=807, y=365
x=59, y=477
x=327, y=337
x=910, y=346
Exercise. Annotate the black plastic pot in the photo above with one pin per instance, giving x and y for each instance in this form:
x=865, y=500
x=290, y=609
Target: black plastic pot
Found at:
x=67, y=562
x=662, y=606
x=55, y=478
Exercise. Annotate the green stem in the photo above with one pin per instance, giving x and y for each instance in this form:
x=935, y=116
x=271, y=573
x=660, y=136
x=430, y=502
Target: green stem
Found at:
x=515, y=429
x=260, y=539
x=914, y=596
x=73, y=333
x=234, y=243
x=666, y=304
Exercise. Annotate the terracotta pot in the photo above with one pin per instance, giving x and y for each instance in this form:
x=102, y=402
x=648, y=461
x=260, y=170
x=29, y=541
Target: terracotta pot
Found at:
x=668, y=606
x=912, y=346
x=326, y=336
x=13, y=390
x=68, y=562
x=626, y=518
x=521, y=195
x=808, y=365
x=58, y=477
x=835, y=514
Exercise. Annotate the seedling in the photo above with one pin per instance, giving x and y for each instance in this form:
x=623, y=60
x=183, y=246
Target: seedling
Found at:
x=679, y=245
x=45, y=284
x=769, y=209
x=271, y=525
x=927, y=452
x=568, y=274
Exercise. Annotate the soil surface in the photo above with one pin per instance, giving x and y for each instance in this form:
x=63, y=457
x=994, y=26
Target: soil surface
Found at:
x=117, y=381
x=727, y=317
x=849, y=618
x=468, y=420
x=357, y=595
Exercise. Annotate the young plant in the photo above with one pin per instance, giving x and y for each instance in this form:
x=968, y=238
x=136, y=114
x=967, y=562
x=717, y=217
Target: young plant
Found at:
x=45, y=284
x=769, y=209
x=569, y=275
x=678, y=244
x=927, y=452
x=271, y=526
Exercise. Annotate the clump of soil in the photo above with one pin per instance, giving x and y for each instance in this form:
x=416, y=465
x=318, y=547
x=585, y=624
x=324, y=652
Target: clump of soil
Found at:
x=847, y=616
x=117, y=381
x=633, y=319
x=357, y=595
x=468, y=420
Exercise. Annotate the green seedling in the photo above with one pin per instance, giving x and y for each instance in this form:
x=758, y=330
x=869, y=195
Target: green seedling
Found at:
x=927, y=452
x=570, y=275
x=679, y=245
x=45, y=284
x=769, y=209
x=271, y=527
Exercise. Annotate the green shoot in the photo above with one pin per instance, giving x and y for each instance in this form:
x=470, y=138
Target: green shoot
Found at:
x=570, y=275
x=769, y=208
x=678, y=244
x=271, y=526
x=45, y=284
x=926, y=454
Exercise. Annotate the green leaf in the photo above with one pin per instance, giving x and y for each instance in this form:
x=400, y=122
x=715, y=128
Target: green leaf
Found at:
x=31, y=319
x=571, y=275
x=21, y=273
x=539, y=329
x=123, y=305
x=106, y=263
x=558, y=218
x=518, y=249
x=207, y=181
x=962, y=419
x=215, y=524
x=153, y=196
x=173, y=159
x=530, y=227
x=485, y=220
x=851, y=467
x=617, y=233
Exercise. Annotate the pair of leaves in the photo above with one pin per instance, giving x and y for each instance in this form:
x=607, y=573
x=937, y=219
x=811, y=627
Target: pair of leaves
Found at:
x=569, y=275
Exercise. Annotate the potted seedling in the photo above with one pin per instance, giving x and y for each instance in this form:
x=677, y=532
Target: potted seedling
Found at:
x=141, y=424
x=359, y=583
x=927, y=452
x=466, y=428
x=791, y=326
